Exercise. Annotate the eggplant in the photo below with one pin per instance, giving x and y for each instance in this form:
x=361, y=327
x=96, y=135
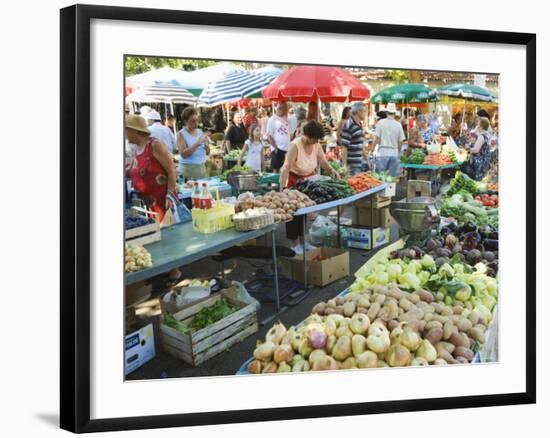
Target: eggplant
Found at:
x=444, y=231
x=453, y=226
x=490, y=245
x=470, y=240
x=469, y=226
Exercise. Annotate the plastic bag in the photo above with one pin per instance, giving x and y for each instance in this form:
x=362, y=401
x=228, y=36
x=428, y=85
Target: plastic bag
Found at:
x=323, y=231
x=239, y=293
x=180, y=212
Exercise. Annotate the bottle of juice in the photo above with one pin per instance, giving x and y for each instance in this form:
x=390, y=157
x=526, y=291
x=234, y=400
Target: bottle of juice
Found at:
x=195, y=195
x=205, y=198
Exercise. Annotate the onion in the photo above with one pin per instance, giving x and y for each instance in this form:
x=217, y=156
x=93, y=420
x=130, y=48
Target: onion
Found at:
x=349, y=364
x=317, y=339
x=330, y=327
x=367, y=359
x=427, y=351
x=316, y=355
x=324, y=364
x=358, y=344
x=378, y=344
x=255, y=367
x=377, y=328
x=301, y=365
x=398, y=356
x=419, y=362
x=276, y=333
x=305, y=349
x=284, y=368
x=283, y=353
x=359, y=323
x=264, y=351
x=331, y=342
x=342, y=349
x=410, y=339
x=271, y=367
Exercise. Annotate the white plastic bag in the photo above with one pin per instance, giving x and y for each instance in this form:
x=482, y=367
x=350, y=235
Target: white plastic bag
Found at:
x=322, y=228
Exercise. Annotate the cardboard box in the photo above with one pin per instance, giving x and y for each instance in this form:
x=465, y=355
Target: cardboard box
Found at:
x=138, y=292
x=320, y=273
x=376, y=200
x=361, y=216
x=360, y=238
x=139, y=348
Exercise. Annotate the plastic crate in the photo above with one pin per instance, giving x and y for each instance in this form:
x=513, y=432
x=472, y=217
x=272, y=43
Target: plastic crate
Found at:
x=217, y=218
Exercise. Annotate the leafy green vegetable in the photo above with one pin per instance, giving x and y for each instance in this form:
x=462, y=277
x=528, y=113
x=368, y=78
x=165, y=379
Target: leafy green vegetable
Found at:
x=416, y=157
x=463, y=208
x=234, y=169
x=209, y=315
x=170, y=321
x=462, y=182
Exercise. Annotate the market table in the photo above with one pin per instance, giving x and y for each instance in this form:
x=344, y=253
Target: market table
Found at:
x=180, y=245
x=436, y=171
x=303, y=212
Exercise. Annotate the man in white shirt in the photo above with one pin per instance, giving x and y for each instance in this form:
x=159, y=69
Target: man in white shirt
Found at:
x=280, y=128
x=161, y=132
x=389, y=139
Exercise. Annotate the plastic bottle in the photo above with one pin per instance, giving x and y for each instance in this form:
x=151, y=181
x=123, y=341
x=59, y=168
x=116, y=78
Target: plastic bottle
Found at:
x=195, y=195
x=344, y=238
x=205, y=197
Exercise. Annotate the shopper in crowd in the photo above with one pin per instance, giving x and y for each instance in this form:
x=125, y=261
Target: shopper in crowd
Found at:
x=304, y=156
x=301, y=118
x=161, y=132
x=236, y=134
x=352, y=139
x=280, y=129
x=389, y=139
x=170, y=122
x=250, y=118
x=253, y=149
x=328, y=122
x=262, y=121
x=152, y=171
x=144, y=110
x=346, y=114
x=193, y=147
x=420, y=135
x=433, y=123
x=480, y=151
x=455, y=130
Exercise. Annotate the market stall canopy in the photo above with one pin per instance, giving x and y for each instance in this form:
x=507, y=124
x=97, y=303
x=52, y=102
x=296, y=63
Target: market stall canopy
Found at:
x=311, y=83
x=467, y=91
x=235, y=86
x=162, y=94
x=406, y=93
x=149, y=78
x=197, y=80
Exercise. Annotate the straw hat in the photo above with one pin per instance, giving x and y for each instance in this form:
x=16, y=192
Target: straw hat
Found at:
x=137, y=123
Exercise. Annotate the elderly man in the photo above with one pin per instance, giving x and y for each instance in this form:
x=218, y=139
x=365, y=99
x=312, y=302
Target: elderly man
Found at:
x=352, y=139
x=280, y=128
x=161, y=132
x=389, y=139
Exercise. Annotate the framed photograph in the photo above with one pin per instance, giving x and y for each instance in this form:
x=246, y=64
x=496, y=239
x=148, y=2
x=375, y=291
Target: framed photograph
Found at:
x=270, y=218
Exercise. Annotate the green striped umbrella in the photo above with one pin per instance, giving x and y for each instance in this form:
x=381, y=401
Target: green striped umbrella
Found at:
x=405, y=93
x=468, y=92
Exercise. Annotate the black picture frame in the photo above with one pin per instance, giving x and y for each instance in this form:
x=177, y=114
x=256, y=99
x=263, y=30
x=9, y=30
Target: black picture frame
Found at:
x=75, y=216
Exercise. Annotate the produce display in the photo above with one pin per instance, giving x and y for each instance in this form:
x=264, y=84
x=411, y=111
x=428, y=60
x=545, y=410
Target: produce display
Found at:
x=338, y=167
x=283, y=204
x=416, y=157
x=454, y=280
x=438, y=160
x=205, y=317
x=232, y=155
x=463, y=183
x=325, y=191
x=466, y=244
x=136, y=258
x=487, y=200
x=381, y=326
x=464, y=208
x=244, y=168
x=363, y=182
x=384, y=176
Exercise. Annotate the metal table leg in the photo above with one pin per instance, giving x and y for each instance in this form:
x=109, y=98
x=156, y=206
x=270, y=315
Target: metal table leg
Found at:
x=338, y=226
x=371, y=221
x=275, y=271
x=304, y=249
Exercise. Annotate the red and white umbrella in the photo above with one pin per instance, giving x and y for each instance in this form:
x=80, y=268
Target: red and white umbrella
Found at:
x=313, y=83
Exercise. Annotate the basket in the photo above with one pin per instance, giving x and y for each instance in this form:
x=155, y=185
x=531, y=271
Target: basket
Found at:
x=253, y=222
x=212, y=220
x=243, y=181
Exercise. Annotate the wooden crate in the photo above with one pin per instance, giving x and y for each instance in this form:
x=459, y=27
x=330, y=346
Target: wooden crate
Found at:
x=145, y=234
x=200, y=345
x=377, y=201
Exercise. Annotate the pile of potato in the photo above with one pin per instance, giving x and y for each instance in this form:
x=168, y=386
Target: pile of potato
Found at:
x=379, y=327
x=283, y=204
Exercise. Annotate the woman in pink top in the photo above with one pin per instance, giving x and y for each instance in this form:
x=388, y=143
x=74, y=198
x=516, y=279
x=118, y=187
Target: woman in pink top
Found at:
x=303, y=158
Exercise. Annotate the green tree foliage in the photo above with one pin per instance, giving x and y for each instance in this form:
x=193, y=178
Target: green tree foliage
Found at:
x=398, y=76
x=140, y=64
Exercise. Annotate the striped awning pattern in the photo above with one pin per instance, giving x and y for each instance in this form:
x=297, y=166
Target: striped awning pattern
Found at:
x=162, y=94
x=235, y=86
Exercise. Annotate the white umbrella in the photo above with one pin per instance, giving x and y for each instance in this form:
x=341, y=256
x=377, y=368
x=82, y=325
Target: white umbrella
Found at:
x=162, y=94
x=164, y=74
